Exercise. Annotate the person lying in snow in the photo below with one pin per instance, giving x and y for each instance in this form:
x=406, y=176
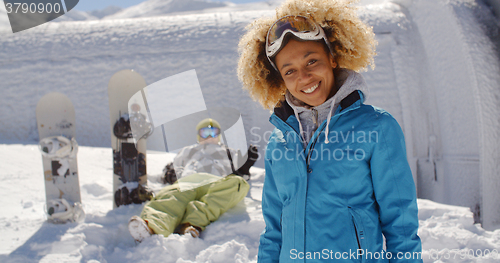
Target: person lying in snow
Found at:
x=188, y=211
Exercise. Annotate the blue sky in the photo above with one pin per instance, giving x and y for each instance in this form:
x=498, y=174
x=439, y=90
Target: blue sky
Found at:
x=89, y=5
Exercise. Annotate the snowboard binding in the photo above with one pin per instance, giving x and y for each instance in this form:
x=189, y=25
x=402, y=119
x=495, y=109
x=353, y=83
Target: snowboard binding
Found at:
x=59, y=211
x=139, y=124
x=128, y=163
x=134, y=125
x=59, y=149
x=138, y=195
x=122, y=127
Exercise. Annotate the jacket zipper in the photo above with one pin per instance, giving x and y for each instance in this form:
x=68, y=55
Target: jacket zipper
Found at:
x=308, y=161
x=356, y=232
x=308, y=158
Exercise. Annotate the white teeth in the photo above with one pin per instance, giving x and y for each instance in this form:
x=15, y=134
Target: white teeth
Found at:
x=311, y=89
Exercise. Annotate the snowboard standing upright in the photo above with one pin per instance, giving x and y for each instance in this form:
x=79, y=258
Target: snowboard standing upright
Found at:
x=55, y=117
x=127, y=118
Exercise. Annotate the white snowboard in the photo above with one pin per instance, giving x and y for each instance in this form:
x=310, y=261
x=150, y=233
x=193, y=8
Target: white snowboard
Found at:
x=55, y=116
x=126, y=172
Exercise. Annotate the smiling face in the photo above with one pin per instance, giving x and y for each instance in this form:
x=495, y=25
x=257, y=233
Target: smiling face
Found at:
x=307, y=70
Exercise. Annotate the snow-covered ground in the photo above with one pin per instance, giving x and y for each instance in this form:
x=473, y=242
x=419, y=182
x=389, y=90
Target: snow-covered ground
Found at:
x=447, y=232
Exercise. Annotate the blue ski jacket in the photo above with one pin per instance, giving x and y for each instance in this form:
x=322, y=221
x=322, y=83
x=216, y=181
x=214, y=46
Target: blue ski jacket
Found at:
x=337, y=200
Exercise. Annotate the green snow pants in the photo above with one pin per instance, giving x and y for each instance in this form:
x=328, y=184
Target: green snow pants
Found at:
x=198, y=207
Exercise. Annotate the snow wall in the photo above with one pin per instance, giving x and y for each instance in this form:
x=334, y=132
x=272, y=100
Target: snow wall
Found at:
x=437, y=72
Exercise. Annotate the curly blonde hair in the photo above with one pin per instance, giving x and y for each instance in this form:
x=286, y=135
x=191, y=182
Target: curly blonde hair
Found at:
x=352, y=41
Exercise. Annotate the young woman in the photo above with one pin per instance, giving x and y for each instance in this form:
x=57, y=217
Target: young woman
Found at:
x=337, y=178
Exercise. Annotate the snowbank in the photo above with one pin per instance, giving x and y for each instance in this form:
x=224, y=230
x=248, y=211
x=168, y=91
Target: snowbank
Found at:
x=78, y=59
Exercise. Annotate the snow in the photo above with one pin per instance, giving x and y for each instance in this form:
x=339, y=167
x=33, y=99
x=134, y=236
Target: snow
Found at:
x=437, y=73
x=110, y=10
x=4, y=19
x=103, y=236
x=162, y=7
x=76, y=15
x=154, y=8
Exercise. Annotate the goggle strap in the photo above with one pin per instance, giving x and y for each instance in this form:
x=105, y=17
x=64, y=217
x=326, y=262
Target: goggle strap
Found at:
x=326, y=42
x=276, y=45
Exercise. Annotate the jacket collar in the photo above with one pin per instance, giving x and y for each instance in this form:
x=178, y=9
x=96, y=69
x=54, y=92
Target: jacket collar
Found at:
x=284, y=111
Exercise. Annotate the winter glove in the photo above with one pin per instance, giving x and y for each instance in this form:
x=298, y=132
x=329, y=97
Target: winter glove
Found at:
x=169, y=175
x=253, y=155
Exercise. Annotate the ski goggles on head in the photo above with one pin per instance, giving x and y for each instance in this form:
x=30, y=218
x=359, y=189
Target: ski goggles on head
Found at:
x=209, y=131
x=299, y=26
